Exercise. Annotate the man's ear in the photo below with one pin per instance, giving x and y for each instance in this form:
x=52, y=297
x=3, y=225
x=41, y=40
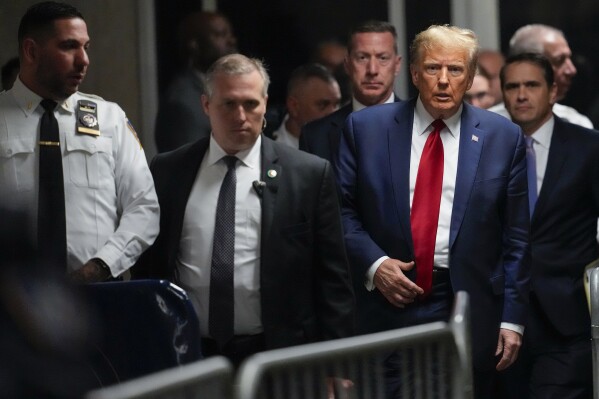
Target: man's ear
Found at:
x=553, y=93
x=346, y=65
x=292, y=105
x=30, y=50
x=471, y=77
x=205, y=104
x=414, y=75
x=398, y=65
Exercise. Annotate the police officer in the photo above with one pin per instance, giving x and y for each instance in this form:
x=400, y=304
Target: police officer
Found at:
x=107, y=212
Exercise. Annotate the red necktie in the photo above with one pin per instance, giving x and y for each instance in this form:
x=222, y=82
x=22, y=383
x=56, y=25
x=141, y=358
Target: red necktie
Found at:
x=425, y=206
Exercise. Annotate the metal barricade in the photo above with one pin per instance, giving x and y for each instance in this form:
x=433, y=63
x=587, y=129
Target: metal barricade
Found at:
x=460, y=325
x=430, y=361
x=206, y=379
x=594, y=302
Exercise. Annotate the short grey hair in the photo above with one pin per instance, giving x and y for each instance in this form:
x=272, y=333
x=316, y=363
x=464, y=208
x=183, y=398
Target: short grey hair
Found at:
x=236, y=64
x=531, y=38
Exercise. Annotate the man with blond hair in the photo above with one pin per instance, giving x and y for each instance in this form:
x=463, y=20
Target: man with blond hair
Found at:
x=434, y=202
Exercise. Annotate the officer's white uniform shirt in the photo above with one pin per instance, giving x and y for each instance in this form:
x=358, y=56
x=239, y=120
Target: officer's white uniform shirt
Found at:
x=111, y=206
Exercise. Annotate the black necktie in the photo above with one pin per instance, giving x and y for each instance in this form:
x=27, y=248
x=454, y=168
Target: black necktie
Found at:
x=220, y=321
x=51, y=223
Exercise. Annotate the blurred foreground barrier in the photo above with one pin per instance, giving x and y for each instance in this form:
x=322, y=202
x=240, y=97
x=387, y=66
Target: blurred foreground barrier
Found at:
x=144, y=325
x=434, y=362
x=594, y=306
x=205, y=379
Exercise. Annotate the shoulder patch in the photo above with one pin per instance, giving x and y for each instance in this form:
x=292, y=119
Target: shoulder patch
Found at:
x=132, y=130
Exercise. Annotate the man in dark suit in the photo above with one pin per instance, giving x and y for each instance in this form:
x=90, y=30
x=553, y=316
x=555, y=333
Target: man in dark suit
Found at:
x=564, y=204
x=372, y=63
x=291, y=280
x=433, y=202
x=203, y=38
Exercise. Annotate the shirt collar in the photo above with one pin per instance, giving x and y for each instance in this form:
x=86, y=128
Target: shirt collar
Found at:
x=249, y=157
x=423, y=120
x=28, y=101
x=357, y=106
x=543, y=135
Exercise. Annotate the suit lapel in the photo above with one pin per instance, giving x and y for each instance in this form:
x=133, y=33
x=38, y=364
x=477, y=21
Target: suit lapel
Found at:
x=555, y=161
x=471, y=144
x=399, y=139
x=270, y=174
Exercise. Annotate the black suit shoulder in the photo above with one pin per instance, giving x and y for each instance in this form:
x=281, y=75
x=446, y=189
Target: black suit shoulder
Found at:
x=576, y=132
x=312, y=130
x=335, y=118
x=321, y=137
x=171, y=168
x=292, y=157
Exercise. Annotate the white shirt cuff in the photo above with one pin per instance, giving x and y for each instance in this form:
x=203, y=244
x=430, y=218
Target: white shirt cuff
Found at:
x=514, y=327
x=369, y=277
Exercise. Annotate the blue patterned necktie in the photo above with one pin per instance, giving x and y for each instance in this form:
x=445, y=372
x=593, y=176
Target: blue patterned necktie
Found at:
x=531, y=169
x=220, y=323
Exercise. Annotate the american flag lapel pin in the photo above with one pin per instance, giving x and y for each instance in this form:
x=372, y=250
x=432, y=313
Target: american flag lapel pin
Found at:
x=475, y=138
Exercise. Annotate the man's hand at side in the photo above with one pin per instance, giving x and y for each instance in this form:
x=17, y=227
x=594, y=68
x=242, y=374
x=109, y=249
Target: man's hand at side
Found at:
x=508, y=346
x=391, y=281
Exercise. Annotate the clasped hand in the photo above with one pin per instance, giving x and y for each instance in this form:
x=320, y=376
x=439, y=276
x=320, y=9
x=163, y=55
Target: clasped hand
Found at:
x=391, y=281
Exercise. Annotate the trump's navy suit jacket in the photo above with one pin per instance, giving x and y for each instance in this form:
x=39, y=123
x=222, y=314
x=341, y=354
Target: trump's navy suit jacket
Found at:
x=488, y=244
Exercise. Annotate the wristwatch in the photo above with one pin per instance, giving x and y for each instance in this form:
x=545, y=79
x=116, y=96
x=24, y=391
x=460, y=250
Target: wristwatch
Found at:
x=103, y=266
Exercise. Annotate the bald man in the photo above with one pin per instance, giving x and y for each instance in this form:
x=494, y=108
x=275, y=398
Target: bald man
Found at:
x=312, y=93
x=550, y=42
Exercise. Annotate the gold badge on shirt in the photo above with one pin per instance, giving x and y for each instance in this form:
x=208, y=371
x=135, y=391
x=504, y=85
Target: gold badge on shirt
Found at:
x=87, y=118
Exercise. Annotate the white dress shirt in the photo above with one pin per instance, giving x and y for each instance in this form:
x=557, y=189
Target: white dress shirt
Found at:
x=111, y=206
x=282, y=135
x=357, y=106
x=541, y=143
x=194, y=259
x=450, y=137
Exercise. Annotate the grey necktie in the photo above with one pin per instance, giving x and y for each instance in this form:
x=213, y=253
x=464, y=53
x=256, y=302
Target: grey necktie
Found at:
x=223, y=255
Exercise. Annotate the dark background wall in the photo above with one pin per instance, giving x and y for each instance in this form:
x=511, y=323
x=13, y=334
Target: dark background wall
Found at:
x=283, y=33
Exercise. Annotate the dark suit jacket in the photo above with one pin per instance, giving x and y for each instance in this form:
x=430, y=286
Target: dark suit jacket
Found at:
x=488, y=243
x=181, y=118
x=564, y=227
x=322, y=136
x=305, y=286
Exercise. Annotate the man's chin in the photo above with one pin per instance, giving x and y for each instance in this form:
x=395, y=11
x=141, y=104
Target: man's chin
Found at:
x=369, y=98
